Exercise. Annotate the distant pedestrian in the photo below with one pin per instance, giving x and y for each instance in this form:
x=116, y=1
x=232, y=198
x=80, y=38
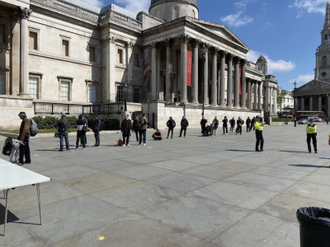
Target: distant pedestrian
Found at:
x=184, y=125
x=24, y=136
x=215, y=125
x=225, y=125
x=86, y=122
x=203, y=125
x=170, y=125
x=136, y=127
x=248, y=124
x=81, y=131
x=252, y=123
x=96, y=130
x=157, y=135
x=232, y=124
x=63, y=130
x=143, y=125
x=311, y=130
x=239, y=126
x=126, y=126
x=259, y=128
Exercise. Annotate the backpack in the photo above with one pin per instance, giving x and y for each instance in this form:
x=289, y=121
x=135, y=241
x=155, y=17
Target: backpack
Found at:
x=102, y=125
x=33, y=128
x=6, y=150
x=120, y=142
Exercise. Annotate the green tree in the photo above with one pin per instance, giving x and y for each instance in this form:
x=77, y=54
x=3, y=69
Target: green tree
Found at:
x=280, y=97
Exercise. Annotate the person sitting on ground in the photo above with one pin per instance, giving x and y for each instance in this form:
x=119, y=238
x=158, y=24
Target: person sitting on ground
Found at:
x=157, y=135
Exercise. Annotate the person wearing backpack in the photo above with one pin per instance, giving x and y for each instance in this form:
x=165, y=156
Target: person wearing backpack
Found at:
x=63, y=130
x=96, y=130
x=24, y=136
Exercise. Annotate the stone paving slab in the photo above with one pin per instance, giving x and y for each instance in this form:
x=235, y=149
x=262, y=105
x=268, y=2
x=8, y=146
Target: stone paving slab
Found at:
x=194, y=191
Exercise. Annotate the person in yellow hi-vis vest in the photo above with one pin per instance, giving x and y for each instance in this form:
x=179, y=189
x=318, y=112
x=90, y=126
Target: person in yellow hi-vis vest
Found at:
x=311, y=130
x=259, y=128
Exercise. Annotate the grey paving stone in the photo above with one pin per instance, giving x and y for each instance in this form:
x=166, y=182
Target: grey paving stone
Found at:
x=65, y=173
x=140, y=172
x=281, y=173
x=310, y=190
x=174, y=165
x=212, y=172
x=109, y=166
x=197, y=160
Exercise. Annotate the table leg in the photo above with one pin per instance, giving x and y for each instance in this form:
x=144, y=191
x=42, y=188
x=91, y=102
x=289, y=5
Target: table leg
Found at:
x=6, y=212
x=38, y=194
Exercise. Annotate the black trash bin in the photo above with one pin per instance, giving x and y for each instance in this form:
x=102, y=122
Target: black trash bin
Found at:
x=314, y=226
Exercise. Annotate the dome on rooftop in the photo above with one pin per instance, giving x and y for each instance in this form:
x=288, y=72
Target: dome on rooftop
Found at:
x=155, y=2
x=262, y=59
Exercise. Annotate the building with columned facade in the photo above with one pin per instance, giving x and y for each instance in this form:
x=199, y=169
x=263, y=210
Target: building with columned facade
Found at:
x=65, y=56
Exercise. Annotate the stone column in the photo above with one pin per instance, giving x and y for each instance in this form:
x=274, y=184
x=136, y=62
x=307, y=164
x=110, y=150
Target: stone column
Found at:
x=184, y=41
x=243, y=86
x=259, y=95
x=24, y=61
x=271, y=100
x=255, y=91
x=194, y=85
x=230, y=81
x=302, y=103
x=214, y=77
x=129, y=78
x=328, y=105
x=222, y=78
x=266, y=102
x=320, y=102
x=275, y=100
x=206, y=75
x=110, y=82
x=169, y=43
x=153, y=83
x=249, y=93
x=159, y=86
x=311, y=103
x=236, y=86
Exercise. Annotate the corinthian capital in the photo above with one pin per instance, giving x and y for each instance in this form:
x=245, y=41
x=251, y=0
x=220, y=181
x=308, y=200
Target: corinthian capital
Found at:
x=184, y=38
x=25, y=13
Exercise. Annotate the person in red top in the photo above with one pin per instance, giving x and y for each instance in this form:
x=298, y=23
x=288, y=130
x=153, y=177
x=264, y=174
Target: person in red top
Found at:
x=157, y=135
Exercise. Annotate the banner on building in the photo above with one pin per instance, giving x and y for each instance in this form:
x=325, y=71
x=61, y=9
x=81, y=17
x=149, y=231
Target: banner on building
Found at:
x=189, y=67
x=240, y=81
x=146, y=68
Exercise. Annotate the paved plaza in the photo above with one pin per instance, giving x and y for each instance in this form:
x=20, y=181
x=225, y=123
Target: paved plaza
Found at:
x=182, y=192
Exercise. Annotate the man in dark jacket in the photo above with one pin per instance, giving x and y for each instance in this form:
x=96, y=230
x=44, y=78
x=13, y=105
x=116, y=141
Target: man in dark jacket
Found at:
x=136, y=128
x=203, y=125
x=248, y=124
x=225, y=125
x=96, y=130
x=24, y=136
x=252, y=123
x=63, y=128
x=143, y=126
x=239, y=126
x=232, y=124
x=126, y=126
x=184, y=125
x=170, y=125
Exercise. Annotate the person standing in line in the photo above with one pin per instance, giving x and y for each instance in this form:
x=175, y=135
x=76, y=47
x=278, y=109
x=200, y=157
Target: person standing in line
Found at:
x=157, y=135
x=85, y=134
x=239, y=126
x=248, y=124
x=311, y=130
x=259, y=128
x=171, y=125
x=203, y=125
x=184, y=125
x=225, y=125
x=126, y=126
x=136, y=127
x=232, y=124
x=215, y=125
x=63, y=129
x=81, y=133
x=252, y=123
x=143, y=125
x=24, y=136
x=96, y=130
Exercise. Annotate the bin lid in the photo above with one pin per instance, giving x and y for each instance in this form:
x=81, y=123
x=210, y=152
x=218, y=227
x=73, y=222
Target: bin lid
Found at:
x=317, y=215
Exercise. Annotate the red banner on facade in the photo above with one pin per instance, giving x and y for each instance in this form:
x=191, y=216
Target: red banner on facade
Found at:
x=189, y=67
x=240, y=81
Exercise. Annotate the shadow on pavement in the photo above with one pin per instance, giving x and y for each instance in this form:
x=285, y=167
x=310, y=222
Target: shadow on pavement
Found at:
x=291, y=151
x=11, y=216
x=305, y=165
x=237, y=150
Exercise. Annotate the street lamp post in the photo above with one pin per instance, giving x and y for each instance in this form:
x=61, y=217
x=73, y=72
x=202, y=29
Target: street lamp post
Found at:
x=294, y=104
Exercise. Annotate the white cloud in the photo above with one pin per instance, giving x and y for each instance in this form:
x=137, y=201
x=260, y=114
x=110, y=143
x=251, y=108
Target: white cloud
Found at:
x=238, y=19
x=302, y=79
x=134, y=5
x=309, y=6
x=95, y=3
x=279, y=66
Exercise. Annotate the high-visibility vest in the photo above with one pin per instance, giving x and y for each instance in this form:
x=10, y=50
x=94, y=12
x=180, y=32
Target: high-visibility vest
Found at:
x=311, y=128
x=258, y=126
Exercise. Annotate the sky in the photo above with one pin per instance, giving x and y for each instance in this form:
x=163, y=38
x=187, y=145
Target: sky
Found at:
x=286, y=32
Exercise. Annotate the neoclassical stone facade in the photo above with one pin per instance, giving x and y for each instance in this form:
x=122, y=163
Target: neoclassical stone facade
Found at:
x=165, y=62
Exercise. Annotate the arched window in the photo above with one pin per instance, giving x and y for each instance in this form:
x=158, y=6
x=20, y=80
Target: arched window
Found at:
x=193, y=14
x=326, y=37
x=157, y=13
x=324, y=61
x=175, y=12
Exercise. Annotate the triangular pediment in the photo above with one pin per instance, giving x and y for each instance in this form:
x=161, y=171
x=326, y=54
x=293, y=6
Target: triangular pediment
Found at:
x=314, y=85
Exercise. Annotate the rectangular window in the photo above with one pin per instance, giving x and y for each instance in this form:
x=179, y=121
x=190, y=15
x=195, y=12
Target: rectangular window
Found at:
x=2, y=83
x=120, y=93
x=65, y=48
x=65, y=90
x=92, y=54
x=120, y=56
x=33, y=42
x=92, y=93
x=2, y=34
x=136, y=95
x=34, y=87
x=136, y=60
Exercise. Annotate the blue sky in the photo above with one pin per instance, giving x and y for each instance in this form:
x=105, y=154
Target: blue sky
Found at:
x=286, y=32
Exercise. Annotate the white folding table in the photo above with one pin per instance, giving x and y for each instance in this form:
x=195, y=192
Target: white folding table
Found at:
x=13, y=176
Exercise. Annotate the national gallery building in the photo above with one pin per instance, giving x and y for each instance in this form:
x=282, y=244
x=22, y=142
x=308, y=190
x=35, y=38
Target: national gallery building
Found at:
x=65, y=56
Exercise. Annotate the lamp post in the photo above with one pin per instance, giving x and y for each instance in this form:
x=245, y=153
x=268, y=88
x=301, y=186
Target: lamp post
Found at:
x=125, y=89
x=294, y=103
